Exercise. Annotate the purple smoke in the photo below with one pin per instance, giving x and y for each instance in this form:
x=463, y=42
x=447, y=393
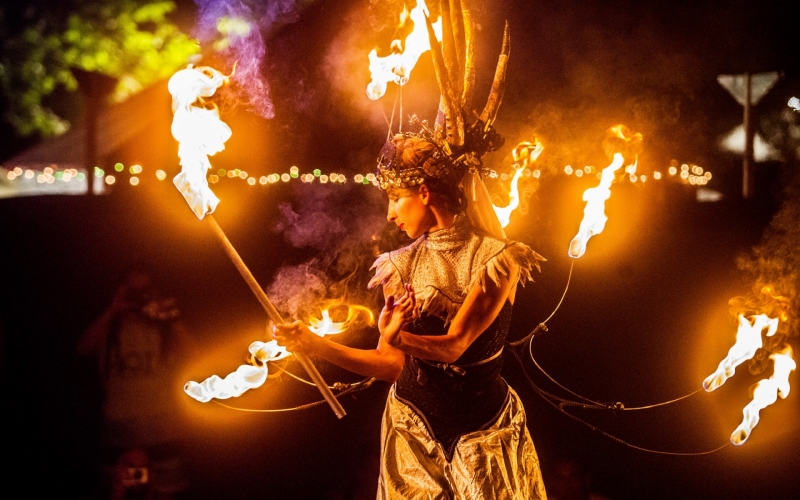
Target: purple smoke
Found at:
x=245, y=51
x=310, y=228
x=342, y=226
x=296, y=290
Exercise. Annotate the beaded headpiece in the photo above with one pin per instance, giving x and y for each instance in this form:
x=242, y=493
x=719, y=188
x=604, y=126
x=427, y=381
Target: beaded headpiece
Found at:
x=460, y=136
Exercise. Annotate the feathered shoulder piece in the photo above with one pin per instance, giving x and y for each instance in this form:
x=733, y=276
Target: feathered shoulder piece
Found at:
x=443, y=266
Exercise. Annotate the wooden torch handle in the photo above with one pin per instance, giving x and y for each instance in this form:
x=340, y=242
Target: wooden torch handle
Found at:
x=274, y=315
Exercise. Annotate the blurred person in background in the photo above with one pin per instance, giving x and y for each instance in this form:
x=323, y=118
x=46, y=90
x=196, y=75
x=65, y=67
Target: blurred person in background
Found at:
x=139, y=344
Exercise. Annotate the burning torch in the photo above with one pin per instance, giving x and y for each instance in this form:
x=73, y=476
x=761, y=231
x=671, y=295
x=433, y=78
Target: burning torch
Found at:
x=624, y=146
x=523, y=153
x=200, y=132
x=773, y=310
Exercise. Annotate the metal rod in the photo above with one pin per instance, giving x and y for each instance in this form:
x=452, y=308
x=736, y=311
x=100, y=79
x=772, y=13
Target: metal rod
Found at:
x=748, y=172
x=274, y=315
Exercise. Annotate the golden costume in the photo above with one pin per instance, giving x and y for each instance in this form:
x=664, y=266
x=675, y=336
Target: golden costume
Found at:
x=455, y=431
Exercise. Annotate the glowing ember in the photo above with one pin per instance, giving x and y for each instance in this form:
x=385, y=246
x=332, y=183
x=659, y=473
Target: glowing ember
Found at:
x=748, y=341
x=397, y=66
x=594, y=217
x=199, y=132
x=765, y=393
x=524, y=152
x=326, y=325
x=245, y=377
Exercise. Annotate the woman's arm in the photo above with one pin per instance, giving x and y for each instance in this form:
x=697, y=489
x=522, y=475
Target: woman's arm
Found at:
x=384, y=362
x=477, y=312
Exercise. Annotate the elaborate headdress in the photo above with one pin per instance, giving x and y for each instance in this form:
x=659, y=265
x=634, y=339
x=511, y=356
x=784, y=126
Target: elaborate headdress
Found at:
x=460, y=136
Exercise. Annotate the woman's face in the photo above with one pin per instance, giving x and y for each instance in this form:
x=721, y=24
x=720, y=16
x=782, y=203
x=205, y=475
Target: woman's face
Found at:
x=410, y=210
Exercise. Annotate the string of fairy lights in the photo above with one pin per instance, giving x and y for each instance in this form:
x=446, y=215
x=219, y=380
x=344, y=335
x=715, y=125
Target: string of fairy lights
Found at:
x=690, y=174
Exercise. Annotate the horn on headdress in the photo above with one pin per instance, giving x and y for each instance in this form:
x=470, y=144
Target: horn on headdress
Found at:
x=450, y=119
x=453, y=61
x=461, y=137
x=499, y=85
x=468, y=60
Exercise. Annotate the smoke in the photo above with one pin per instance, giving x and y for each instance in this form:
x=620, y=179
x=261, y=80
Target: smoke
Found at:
x=346, y=66
x=773, y=267
x=317, y=229
x=236, y=29
x=297, y=290
x=345, y=233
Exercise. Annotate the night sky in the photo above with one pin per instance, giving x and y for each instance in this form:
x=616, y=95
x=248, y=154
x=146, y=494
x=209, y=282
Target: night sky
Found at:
x=645, y=318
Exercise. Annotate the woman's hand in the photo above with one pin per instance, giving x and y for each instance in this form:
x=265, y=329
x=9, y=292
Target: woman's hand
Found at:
x=396, y=314
x=296, y=336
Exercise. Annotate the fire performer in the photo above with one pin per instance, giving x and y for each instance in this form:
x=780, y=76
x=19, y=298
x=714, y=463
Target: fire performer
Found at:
x=452, y=427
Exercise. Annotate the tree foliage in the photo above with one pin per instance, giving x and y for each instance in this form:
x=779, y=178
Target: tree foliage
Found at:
x=132, y=41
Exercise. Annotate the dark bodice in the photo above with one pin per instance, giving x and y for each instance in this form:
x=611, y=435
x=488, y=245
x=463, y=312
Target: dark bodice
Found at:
x=453, y=402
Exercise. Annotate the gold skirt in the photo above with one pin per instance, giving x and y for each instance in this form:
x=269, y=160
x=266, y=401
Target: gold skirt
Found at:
x=497, y=463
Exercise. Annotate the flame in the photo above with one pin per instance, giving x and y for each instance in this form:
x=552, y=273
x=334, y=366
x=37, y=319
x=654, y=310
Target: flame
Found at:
x=235, y=384
x=524, y=152
x=594, y=217
x=326, y=325
x=199, y=132
x=397, y=66
x=748, y=341
x=253, y=375
x=246, y=377
x=404, y=16
x=765, y=393
x=777, y=304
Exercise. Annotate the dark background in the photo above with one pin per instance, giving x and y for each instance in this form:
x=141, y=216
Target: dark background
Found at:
x=644, y=321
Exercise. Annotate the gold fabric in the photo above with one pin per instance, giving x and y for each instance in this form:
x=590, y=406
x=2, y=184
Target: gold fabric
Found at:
x=444, y=265
x=497, y=463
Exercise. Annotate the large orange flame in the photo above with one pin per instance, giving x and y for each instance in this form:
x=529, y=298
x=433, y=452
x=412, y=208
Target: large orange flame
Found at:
x=246, y=377
x=748, y=341
x=769, y=311
x=524, y=153
x=253, y=375
x=765, y=393
x=397, y=66
x=594, y=217
x=199, y=132
x=235, y=384
x=327, y=326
